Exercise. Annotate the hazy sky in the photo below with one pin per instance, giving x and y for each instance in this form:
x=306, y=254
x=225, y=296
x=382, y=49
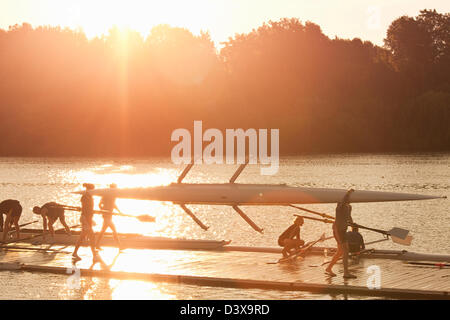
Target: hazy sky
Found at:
x=366, y=19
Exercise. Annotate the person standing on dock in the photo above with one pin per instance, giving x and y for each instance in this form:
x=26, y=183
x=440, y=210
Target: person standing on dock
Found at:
x=108, y=204
x=342, y=221
x=13, y=210
x=50, y=212
x=290, y=238
x=87, y=213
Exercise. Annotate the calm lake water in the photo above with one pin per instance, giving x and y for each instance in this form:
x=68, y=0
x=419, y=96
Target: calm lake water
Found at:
x=35, y=181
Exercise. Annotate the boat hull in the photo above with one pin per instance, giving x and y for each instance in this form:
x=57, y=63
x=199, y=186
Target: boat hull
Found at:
x=132, y=241
x=251, y=194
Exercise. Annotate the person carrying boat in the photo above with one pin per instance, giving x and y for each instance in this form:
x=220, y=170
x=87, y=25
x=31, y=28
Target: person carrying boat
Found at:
x=108, y=203
x=290, y=238
x=50, y=212
x=87, y=213
x=13, y=210
x=342, y=221
x=355, y=240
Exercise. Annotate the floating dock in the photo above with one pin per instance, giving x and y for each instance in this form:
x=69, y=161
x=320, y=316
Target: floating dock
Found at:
x=238, y=269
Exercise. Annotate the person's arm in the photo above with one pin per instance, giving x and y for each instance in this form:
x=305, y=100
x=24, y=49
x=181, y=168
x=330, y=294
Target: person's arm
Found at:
x=7, y=224
x=350, y=219
x=362, y=245
x=115, y=207
x=44, y=225
x=346, y=198
x=16, y=224
x=297, y=235
x=62, y=219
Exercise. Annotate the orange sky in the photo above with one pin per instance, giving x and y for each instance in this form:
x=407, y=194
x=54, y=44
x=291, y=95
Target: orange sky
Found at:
x=367, y=20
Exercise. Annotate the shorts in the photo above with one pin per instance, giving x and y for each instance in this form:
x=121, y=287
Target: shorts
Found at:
x=54, y=215
x=281, y=242
x=86, y=223
x=16, y=210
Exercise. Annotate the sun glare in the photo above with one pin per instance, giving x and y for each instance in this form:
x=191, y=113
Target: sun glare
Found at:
x=128, y=176
x=97, y=17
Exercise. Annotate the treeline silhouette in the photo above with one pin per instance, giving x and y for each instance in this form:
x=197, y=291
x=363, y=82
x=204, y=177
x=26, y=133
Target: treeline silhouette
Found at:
x=122, y=95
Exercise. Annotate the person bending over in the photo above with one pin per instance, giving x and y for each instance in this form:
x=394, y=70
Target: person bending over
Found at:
x=13, y=210
x=50, y=212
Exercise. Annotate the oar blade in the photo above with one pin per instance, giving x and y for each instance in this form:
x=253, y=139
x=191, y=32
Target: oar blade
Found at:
x=146, y=218
x=398, y=233
x=406, y=241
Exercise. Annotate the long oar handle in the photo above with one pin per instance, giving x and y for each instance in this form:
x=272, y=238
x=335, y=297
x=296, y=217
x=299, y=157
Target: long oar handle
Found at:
x=22, y=225
x=73, y=208
x=324, y=215
x=319, y=240
x=376, y=241
x=315, y=219
x=367, y=228
x=142, y=217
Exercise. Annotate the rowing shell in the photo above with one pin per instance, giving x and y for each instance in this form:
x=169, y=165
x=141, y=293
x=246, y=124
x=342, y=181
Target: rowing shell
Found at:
x=250, y=194
x=134, y=241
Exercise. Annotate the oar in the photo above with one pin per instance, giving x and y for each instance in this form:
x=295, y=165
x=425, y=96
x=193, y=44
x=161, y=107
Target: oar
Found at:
x=433, y=264
x=34, y=237
x=316, y=219
x=398, y=235
x=376, y=241
x=142, y=217
x=21, y=226
x=303, y=250
x=323, y=215
x=350, y=255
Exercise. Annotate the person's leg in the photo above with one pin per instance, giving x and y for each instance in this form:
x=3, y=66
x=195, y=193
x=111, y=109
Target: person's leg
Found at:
x=16, y=214
x=288, y=245
x=1, y=222
x=16, y=225
x=298, y=244
x=91, y=238
x=51, y=222
x=345, y=261
x=115, y=235
x=102, y=232
x=62, y=219
x=285, y=249
x=334, y=260
x=77, y=245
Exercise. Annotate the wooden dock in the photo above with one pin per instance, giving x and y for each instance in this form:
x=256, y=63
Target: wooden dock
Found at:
x=237, y=269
